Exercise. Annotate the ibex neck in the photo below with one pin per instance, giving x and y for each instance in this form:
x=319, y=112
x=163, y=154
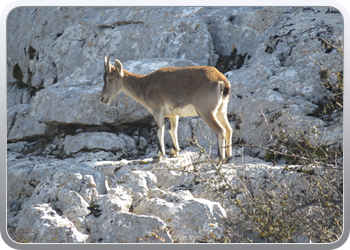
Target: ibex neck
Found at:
x=133, y=85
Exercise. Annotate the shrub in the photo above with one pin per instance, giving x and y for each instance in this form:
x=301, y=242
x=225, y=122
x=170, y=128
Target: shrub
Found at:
x=308, y=206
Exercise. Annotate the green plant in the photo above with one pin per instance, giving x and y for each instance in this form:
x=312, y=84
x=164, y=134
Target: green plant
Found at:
x=152, y=236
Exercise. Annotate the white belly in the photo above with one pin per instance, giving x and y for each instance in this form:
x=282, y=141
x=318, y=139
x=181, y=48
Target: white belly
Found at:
x=189, y=110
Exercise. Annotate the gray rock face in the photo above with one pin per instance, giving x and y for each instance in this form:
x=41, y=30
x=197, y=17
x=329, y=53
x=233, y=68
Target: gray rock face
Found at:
x=84, y=168
x=81, y=95
x=181, y=212
x=121, y=228
x=261, y=50
x=41, y=224
x=131, y=201
x=282, y=78
x=20, y=125
x=108, y=141
x=17, y=95
x=77, y=35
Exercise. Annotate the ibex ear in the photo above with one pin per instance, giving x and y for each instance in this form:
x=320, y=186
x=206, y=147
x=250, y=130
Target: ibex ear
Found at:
x=118, y=65
x=107, y=64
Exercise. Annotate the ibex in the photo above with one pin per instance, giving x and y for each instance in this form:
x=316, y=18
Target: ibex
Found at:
x=173, y=92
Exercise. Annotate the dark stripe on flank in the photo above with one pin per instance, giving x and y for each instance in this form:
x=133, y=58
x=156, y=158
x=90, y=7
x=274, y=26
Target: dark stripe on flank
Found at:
x=227, y=88
x=226, y=91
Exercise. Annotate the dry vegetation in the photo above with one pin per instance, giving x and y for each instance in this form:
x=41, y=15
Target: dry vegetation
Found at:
x=310, y=209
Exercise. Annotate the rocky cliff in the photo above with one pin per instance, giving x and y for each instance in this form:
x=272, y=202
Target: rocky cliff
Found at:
x=79, y=170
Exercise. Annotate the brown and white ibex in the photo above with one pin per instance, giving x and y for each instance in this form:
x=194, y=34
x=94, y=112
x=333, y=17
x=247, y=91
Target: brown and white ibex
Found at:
x=173, y=92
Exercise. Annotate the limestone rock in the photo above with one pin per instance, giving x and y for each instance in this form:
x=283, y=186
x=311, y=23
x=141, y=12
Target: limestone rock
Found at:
x=119, y=228
x=102, y=201
x=21, y=125
x=81, y=94
x=41, y=224
x=17, y=95
x=81, y=171
x=261, y=50
x=99, y=140
x=189, y=220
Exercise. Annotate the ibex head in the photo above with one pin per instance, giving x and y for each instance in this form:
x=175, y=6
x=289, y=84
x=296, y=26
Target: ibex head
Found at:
x=113, y=80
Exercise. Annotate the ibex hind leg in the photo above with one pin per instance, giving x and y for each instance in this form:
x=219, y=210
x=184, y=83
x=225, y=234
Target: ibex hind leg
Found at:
x=211, y=120
x=174, y=121
x=222, y=117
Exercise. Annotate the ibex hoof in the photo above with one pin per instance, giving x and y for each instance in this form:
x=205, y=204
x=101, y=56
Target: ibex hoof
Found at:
x=172, y=155
x=226, y=160
x=156, y=159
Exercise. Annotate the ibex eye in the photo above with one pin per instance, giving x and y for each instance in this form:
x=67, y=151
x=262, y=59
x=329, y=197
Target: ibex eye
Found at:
x=110, y=80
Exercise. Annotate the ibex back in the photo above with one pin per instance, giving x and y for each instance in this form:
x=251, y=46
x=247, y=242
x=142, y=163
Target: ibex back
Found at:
x=173, y=92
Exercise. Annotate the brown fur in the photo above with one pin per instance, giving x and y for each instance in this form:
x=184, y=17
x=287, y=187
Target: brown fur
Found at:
x=173, y=92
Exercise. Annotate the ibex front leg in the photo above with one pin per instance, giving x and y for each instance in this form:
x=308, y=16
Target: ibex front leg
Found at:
x=159, y=117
